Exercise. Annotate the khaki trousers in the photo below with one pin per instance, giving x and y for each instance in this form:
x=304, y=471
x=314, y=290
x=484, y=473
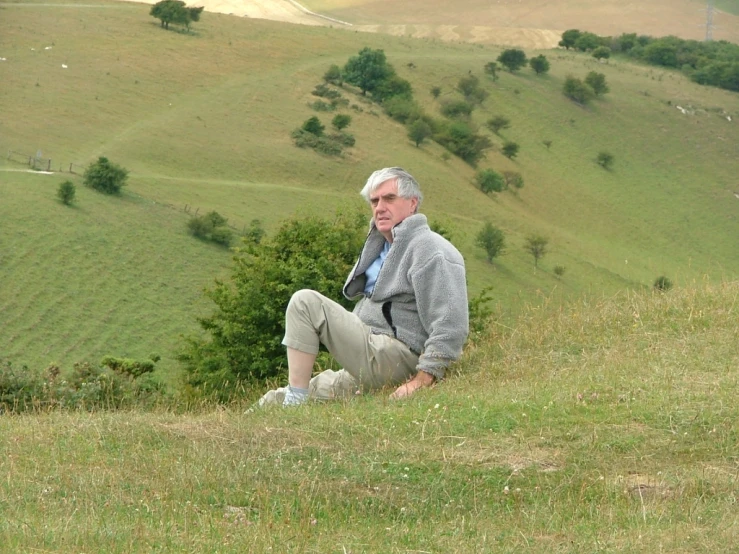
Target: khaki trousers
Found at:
x=370, y=360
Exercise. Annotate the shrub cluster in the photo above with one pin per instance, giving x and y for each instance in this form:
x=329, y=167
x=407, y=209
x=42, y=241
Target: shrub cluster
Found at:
x=713, y=63
x=113, y=384
x=212, y=227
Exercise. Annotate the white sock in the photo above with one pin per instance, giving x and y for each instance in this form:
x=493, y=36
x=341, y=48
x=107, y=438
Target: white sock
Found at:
x=295, y=396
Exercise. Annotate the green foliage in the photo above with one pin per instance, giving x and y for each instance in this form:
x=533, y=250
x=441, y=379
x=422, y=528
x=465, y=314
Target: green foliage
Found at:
x=321, y=106
x=498, y=123
x=576, y=90
x=539, y=64
x=588, y=41
x=513, y=179
x=456, y=108
x=255, y=232
x=492, y=240
x=491, y=68
x=480, y=312
x=246, y=329
x=536, y=245
x=547, y=143
x=368, y=70
x=597, y=82
x=175, y=11
x=313, y=126
x=489, y=180
x=559, y=271
x=114, y=384
x=393, y=86
x=212, y=227
x=662, y=284
x=66, y=192
x=513, y=59
x=713, y=63
x=605, y=160
x=569, y=38
x=324, y=91
x=402, y=109
x=323, y=144
x=341, y=121
x=105, y=176
x=510, y=149
x=418, y=131
x=461, y=139
x=334, y=76
x=435, y=91
x=470, y=88
x=602, y=53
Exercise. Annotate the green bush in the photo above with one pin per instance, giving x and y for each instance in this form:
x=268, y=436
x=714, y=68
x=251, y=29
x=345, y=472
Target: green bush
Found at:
x=211, y=226
x=113, y=384
x=662, y=284
x=456, y=108
x=321, y=106
x=244, y=334
x=489, y=181
x=105, y=176
x=66, y=192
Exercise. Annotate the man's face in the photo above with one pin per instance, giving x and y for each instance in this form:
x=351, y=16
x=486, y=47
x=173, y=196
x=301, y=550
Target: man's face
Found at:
x=388, y=208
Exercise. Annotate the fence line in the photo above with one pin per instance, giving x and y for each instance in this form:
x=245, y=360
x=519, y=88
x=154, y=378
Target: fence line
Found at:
x=42, y=164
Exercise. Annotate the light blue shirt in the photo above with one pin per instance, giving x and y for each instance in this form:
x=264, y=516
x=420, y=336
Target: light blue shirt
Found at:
x=374, y=269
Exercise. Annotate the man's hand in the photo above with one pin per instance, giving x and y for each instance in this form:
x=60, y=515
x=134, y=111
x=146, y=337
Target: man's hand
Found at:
x=420, y=380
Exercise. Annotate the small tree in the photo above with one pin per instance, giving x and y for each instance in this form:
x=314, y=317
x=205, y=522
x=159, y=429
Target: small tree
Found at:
x=513, y=180
x=470, y=88
x=536, y=245
x=314, y=126
x=576, y=90
x=105, y=176
x=602, y=53
x=513, y=59
x=492, y=240
x=547, y=143
x=66, y=192
x=419, y=131
x=559, y=271
x=491, y=68
x=489, y=181
x=333, y=75
x=510, y=149
x=456, y=108
x=341, y=121
x=435, y=91
x=597, y=82
x=498, y=123
x=539, y=64
x=604, y=159
x=175, y=11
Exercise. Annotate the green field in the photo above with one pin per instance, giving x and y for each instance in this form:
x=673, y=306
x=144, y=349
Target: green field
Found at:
x=609, y=426
x=203, y=120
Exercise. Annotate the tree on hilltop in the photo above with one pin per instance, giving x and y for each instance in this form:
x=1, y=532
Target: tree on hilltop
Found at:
x=175, y=11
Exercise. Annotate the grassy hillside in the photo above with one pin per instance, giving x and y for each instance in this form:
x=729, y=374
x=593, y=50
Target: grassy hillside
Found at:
x=204, y=119
x=609, y=426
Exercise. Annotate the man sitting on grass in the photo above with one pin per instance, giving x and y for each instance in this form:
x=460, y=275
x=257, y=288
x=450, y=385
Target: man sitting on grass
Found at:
x=410, y=322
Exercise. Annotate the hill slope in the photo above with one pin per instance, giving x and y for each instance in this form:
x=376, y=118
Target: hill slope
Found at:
x=203, y=121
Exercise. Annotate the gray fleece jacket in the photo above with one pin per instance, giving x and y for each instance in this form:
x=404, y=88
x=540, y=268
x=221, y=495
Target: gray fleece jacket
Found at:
x=423, y=279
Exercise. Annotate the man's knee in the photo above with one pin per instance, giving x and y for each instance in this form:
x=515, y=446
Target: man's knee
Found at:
x=303, y=300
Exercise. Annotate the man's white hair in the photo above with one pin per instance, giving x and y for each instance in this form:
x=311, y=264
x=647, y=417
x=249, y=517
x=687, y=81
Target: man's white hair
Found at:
x=407, y=186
